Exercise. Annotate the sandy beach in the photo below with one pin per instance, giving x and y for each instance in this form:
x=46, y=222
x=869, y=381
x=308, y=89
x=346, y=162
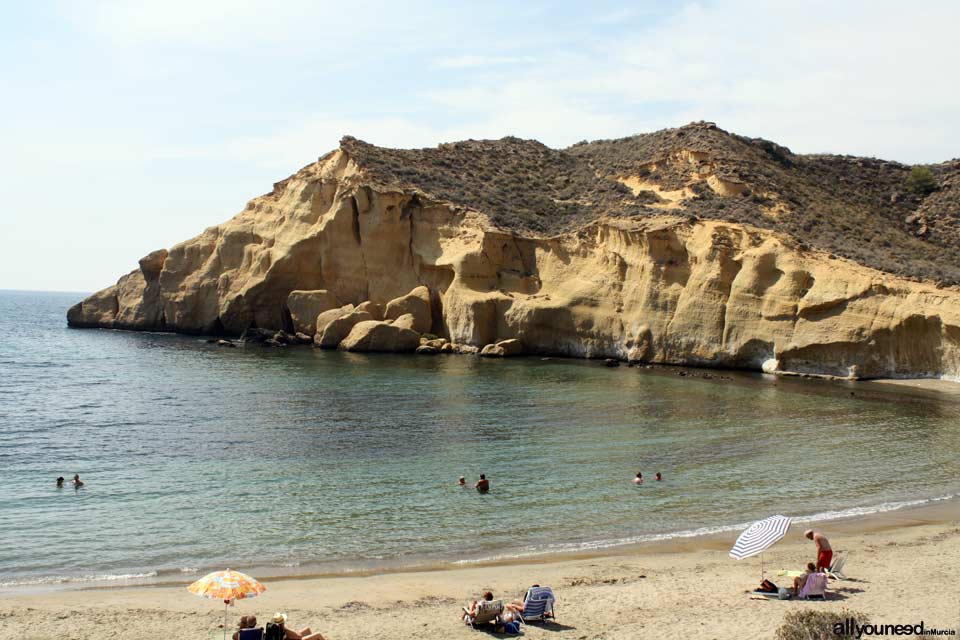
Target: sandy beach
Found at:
x=901, y=570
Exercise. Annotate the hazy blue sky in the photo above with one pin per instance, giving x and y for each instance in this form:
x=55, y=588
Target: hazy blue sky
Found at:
x=130, y=126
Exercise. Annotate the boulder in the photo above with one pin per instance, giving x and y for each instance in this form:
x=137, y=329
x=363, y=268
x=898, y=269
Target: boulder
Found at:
x=338, y=329
x=406, y=321
x=303, y=338
x=375, y=310
x=376, y=335
x=415, y=303
x=325, y=318
x=448, y=347
x=492, y=351
x=427, y=350
x=467, y=349
x=611, y=362
x=512, y=347
x=305, y=306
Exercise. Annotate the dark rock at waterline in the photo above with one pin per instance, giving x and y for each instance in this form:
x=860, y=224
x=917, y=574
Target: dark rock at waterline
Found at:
x=256, y=335
x=611, y=362
x=427, y=350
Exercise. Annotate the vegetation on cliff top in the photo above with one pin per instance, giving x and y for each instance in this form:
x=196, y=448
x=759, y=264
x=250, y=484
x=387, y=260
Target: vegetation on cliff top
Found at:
x=886, y=215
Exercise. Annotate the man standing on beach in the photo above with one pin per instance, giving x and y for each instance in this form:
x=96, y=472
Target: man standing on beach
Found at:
x=824, y=551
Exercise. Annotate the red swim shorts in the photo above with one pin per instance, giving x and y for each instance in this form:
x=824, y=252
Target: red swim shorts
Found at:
x=824, y=558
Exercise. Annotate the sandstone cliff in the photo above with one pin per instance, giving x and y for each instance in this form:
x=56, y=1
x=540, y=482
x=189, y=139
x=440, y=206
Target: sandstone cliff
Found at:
x=603, y=259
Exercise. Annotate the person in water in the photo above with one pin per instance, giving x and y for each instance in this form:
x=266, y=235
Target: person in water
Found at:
x=824, y=550
x=658, y=477
x=483, y=485
x=77, y=482
x=462, y=482
x=638, y=479
x=60, y=482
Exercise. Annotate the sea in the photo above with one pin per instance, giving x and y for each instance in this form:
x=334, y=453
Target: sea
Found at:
x=286, y=461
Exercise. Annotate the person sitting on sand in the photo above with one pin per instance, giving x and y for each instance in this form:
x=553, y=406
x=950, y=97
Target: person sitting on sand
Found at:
x=800, y=580
x=658, y=477
x=824, y=550
x=246, y=622
x=462, y=482
x=638, y=479
x=470, y=612
x=60, y=482
x=277, y=630
x=77, y=482
x=483, y=485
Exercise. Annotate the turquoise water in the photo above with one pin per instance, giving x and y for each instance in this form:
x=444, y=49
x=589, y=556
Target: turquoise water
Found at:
x=198, y=457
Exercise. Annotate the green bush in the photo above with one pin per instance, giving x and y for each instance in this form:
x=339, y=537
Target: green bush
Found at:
x=813, y=624
x=921, y=181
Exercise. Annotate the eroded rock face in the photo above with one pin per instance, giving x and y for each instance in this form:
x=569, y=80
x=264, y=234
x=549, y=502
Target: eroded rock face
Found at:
x=659, y=289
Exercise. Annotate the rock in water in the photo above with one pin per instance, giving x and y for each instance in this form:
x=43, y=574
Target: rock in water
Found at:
x=339, y=328
x=257, y=336
x=376, y=335
x=492, y=351
x=417, y=304
x=305, y=306
x=427, y=350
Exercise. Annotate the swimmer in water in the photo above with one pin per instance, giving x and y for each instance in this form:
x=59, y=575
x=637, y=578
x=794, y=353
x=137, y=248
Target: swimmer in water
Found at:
x=483, y=485
x=77, y=482
x=659, y=477
x=638, y=479
x=462, y=482
x=60, y=482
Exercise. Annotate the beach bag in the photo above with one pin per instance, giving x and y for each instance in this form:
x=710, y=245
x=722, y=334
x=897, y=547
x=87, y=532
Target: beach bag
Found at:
x=768, y=587
x=273, y=631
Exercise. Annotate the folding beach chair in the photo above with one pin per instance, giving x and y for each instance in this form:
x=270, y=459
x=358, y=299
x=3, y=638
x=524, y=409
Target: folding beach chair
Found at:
x=538, y=605
x=836, y=571
x=488, y=611
x=815, y=586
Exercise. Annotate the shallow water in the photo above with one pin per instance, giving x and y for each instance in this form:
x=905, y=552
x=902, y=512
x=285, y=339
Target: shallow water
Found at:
x=197, y=456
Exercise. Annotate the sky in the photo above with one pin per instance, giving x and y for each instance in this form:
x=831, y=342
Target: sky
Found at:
x=130, y=126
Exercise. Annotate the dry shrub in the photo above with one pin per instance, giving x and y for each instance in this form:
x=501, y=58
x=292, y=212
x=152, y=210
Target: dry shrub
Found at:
x=815, y=624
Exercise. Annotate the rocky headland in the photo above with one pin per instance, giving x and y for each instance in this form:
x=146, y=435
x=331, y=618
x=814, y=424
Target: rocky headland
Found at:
x=686, y=246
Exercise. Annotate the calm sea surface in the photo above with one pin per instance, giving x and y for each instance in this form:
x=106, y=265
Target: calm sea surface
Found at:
x=197, y=456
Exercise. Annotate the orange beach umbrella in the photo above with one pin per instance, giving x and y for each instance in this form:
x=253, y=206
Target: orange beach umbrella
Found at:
x=227, y=586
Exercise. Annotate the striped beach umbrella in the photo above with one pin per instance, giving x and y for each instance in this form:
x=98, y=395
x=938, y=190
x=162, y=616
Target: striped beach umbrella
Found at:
x=759, y=536
x=227, y=586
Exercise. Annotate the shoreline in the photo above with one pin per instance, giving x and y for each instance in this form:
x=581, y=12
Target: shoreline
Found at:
x=943, y=383
x=899, y=562
x=930, y=511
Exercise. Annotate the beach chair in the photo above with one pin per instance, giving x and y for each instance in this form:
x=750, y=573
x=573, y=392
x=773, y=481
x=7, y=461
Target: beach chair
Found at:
x=487, y=612
x=836, y=571
x=814, y=587
x=538, y=605
x=251, y=634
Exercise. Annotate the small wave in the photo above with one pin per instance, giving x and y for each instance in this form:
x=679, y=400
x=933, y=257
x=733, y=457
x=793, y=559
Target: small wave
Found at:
x=54, y=580
x=866, y=511
x=599, y=545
